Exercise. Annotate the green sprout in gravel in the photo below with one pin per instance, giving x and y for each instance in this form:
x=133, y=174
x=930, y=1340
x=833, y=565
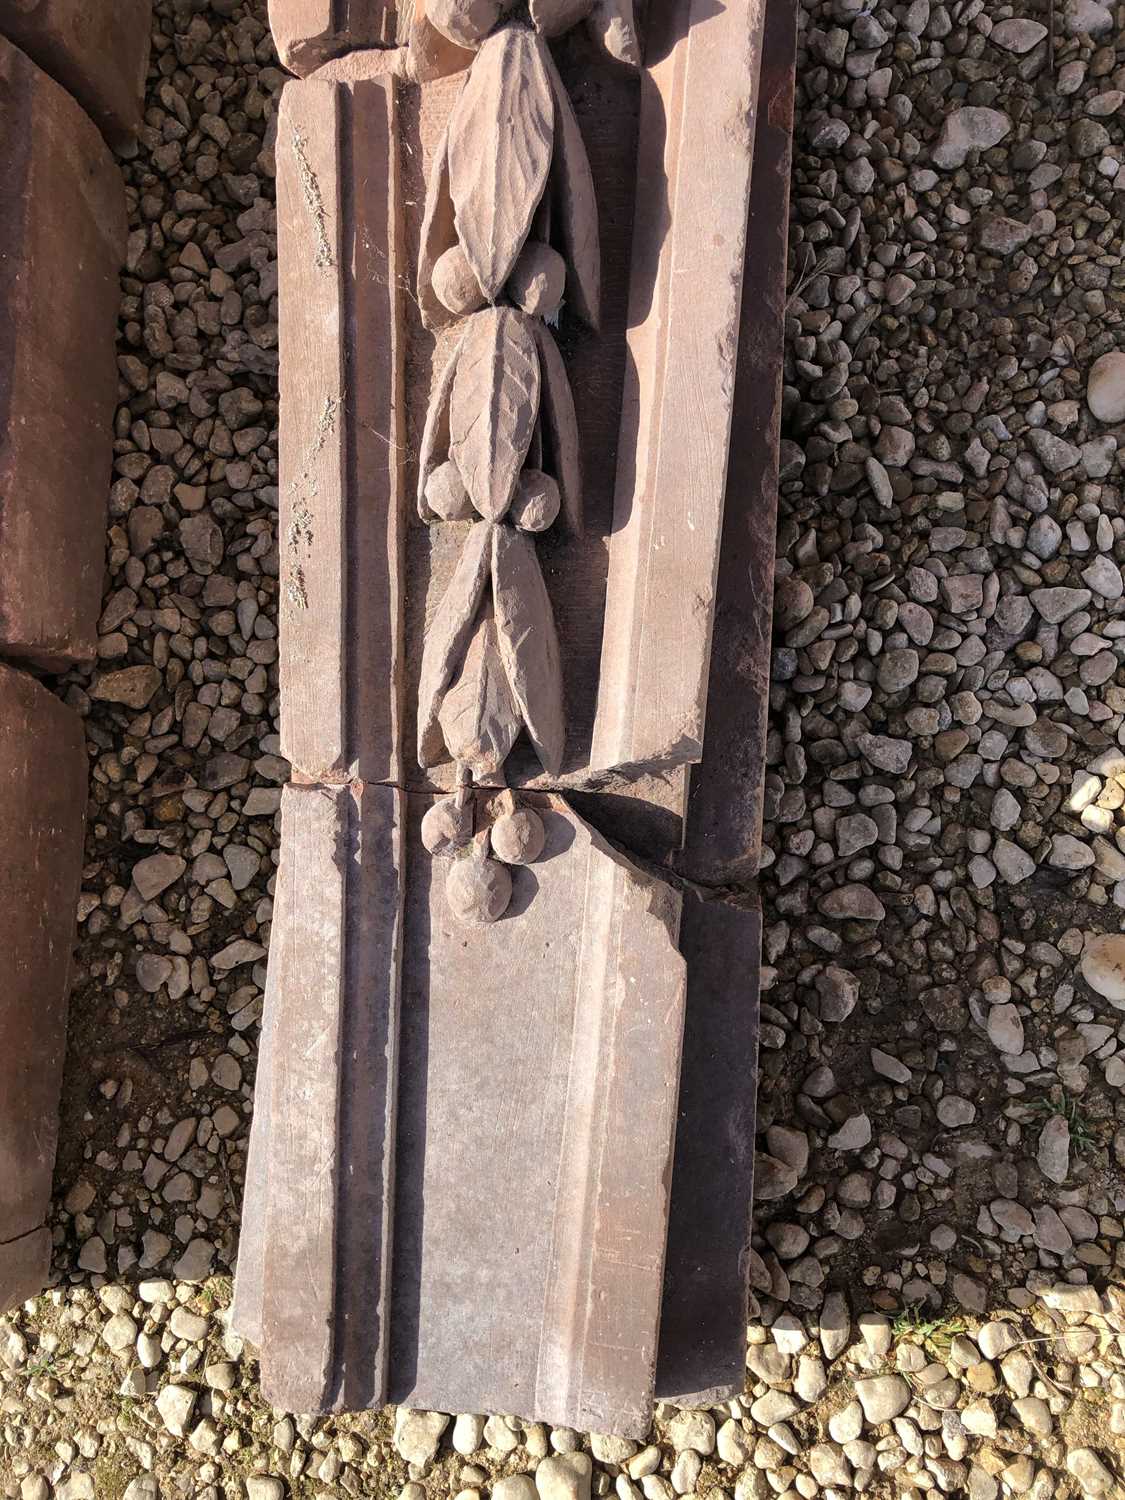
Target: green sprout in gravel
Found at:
x=1082, y=1136
x=935, y=1334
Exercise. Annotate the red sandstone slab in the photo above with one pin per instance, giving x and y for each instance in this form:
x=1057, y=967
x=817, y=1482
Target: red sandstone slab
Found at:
x=42, y=805
x=702, y=1346
x=539, y=1062
x=96, y=49
x=341, y=430
x=314, y=1265
x=689, y=245
x=62, y=235
x=524, y=1048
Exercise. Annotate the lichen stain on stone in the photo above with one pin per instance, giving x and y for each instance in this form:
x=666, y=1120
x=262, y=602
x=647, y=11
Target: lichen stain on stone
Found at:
x=310, y=188
x=295, y=588
x=303, y=491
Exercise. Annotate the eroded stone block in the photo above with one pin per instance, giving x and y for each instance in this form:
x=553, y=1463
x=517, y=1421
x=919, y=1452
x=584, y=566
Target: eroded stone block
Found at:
x=42, y=805
x=25, y=1264
x=62, y=235
x=537, y=1055
x=308, y=33
x=96, y=49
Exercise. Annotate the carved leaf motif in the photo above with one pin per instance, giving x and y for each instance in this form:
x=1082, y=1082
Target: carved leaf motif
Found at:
x=613, y=25
x=438, y=235
x=559, y=428
x=448, y=638
x=435, y=434
x=575, y=208
x=500, y=135
x=529, y=646
x=478, y=716
x=493, y=406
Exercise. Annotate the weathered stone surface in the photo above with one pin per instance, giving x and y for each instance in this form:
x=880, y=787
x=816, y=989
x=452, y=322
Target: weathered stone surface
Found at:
x=42, y=801
x=325, y=1094
x=683, y=347
x=341, y=373
x=725, y=806
x=568, y=1325
x=702, y=1346
x=97, y=52
x=62, y=226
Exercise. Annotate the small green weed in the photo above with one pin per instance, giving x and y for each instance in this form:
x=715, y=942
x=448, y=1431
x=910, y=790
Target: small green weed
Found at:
x=1082, y=1136
x=936, y=1334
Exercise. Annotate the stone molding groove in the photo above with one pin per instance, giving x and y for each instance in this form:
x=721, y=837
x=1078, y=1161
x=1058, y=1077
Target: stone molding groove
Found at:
x=461, y=1164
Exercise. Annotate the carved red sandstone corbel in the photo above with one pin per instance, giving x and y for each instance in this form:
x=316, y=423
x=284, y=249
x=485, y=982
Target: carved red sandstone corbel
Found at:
x=457, y=1194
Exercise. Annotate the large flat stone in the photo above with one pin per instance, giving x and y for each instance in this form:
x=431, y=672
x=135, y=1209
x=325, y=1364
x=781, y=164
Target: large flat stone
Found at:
x=96, y=49
x=507, y=1294
x=42, y=805
x=62, y=235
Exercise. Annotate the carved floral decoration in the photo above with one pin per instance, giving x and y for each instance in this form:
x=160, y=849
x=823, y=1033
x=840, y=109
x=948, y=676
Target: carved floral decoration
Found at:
x=510, y=230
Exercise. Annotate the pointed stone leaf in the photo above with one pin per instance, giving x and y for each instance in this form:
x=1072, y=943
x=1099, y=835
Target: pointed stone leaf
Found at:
x=478, y=716
x=435, y=434
x=437, y=236
x=574, y=208
x=493, y=406
x=500, y=135
x=558, y=428
x=448, y=638
x=613, y=25
x=529, y=646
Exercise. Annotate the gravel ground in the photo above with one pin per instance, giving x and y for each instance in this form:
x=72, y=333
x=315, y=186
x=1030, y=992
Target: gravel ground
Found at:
x=939, y=1304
